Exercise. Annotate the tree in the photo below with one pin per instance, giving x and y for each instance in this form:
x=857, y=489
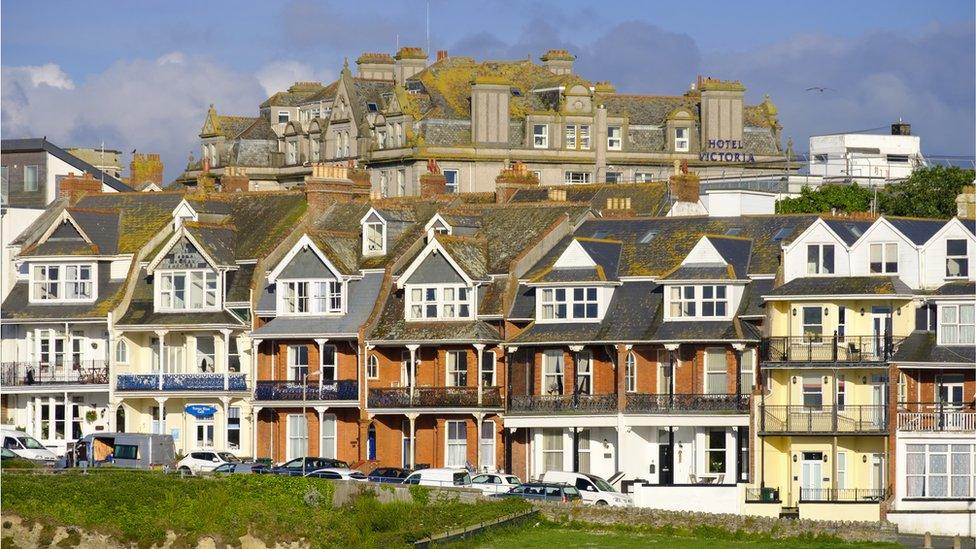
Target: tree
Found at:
x=827, y=198
x=928, y=192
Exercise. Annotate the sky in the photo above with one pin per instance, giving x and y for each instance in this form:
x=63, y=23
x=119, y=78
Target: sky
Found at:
x=140, y=75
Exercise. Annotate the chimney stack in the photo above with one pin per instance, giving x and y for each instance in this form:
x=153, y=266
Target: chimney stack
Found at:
x=408, y=62
x=433, y=182
x=73, y=187
x=145, y=168
x=234, y=180
x=441, y=55
x=330, y=183
x=901, y=128
x=558, y=61
x=375, y=66
x=511, y=180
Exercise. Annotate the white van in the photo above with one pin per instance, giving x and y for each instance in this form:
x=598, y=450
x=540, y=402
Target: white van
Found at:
x=440, y=477
x=594, y=489
x=26, y=446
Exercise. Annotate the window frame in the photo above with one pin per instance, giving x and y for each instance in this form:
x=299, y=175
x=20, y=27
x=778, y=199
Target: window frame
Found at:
x=62, y=283
x=819, y=268
x=570, y=177
x=456, y=368
x=287, y=117
x=682, y=144
x=884, y=249
x=35, y=182
x=456, y=442
x=579, y=360
x=487, y=363
x=615, y=143
x=956, y=324
x=561, y=304
x=711, y=451
x=369, y=226
x=440, y=302
x=536, y=142
x=630, y=373
x=963, y=260
x=815, y=337
x=121, y=349
x=682, y=305
x=553, y=367
x=160, y=290
x=451, y=186
x=372, y=367
x=713, y=371
x=333, y=299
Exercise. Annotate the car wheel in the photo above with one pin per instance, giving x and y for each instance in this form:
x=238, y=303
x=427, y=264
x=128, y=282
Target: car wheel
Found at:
x=601, y=502
x=184, y=470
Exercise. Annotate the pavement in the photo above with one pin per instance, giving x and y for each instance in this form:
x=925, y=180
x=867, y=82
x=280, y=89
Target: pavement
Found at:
x=938, y=542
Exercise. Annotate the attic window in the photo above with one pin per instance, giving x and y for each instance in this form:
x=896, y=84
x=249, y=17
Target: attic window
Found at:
x=855, y=230
x=414, y=86
x=782, y=233
x=600, y=234
x=648, y=236
x=733, y=231
x=371, y=107
x=516, y=92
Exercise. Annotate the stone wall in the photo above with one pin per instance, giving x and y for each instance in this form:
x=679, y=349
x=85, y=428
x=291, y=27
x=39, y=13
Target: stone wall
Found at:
x=773, y=527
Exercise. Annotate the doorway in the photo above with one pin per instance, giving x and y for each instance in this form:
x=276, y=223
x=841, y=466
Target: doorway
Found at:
x=371, y=443
x=811, y=477
x=665, y=458
x=881, y=330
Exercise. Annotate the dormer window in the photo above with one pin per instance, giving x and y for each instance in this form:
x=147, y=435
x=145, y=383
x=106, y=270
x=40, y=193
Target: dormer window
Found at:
x=569, y=304
x=186, y=290
x=58, y=283
x=374, y=239
x=310, y=297
x=441, y=302
x=884, y=258
x=710, y=301
x=820, y=259
x=957, y=260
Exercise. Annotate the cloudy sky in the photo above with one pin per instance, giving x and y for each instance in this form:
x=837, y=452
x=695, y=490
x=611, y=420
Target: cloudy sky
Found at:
x=140, y=75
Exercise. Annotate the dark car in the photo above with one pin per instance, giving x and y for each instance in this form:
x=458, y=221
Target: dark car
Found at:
x=543, y=491
x=390, y=475
x=300, y=466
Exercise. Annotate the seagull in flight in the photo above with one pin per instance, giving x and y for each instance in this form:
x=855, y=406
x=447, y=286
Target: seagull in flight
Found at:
x=820, y=89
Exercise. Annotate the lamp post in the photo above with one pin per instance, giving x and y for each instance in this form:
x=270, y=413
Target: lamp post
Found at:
x=305, y=376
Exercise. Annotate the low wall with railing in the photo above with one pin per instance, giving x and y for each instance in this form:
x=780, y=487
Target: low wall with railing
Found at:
x=783, y=418
x=293, y=390
x=228, y=381
x=687, y=403
x=576, y=403
x=435, y=397
x=38, y=373
x=936, y=416
x=827, y=348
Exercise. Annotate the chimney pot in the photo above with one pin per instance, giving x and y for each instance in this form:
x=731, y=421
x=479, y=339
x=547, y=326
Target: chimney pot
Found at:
x=441, y=55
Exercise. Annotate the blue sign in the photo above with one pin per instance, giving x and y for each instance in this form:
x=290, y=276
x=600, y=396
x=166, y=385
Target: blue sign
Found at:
x=200, y=410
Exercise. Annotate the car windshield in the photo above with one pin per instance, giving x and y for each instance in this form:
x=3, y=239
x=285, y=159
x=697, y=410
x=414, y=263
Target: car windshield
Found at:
x=513, y=480
x=571, y=491
x=603, y=485
x=481, y=479
x=30, y=443
x=228, y=457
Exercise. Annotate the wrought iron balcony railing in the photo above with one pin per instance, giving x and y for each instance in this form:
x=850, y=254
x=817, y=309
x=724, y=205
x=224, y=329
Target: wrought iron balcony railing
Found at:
x=88, y=372
x=293, y=390
x=936, y=416
x=434, y=397
x=825, y=495
x=799, y=419
x=829, y=348
x=229, y=381
x=574, y=404
x=688, y=404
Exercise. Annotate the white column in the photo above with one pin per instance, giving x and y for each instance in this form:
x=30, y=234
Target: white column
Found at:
x=161, y=336
x=413, y=370
x=321, y=410
x=478, y=418
x=413, y=440
x=68, y=416
x=255, y=415
x=479, y=350
x=253, y=362
x=161, y=402
x=321, y=342
x=225, y=402
x=226, y=358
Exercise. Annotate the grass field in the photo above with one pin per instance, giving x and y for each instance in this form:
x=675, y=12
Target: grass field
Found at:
x=544, y=534
x=140, y=507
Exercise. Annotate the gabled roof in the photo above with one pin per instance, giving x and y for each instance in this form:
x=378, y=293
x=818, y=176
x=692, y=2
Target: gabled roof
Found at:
x=600, y=261
x=848, y=230
x=296, y=94
x=26, y=145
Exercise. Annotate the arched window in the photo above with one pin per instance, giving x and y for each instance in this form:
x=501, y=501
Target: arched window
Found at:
x=372, y=367
x=121, y=352
x=630, y=373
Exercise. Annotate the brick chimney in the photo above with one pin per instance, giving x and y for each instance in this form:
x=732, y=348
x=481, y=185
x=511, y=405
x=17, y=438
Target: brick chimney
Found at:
x=145, y=168
x=330, y=183
x=433, y=182
x=441, y=55
x=558, y=61
x=73, y=187
x=234, y=180
x=511, y=180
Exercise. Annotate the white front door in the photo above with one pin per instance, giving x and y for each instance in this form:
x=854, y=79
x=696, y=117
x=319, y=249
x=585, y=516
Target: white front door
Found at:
x=879, y=401
x=877, y=472
x=811, y=477
x=881, y=328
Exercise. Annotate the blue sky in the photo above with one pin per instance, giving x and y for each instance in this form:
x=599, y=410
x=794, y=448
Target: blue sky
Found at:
x=141, y=74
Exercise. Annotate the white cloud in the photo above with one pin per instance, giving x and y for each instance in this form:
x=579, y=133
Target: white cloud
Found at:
x=277, y=76
x=153, y=105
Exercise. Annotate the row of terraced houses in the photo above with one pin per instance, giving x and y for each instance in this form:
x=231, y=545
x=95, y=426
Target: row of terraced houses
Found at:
x=805, y=365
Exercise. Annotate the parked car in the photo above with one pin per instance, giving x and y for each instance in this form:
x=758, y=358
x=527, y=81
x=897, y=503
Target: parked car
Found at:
x=492, y=483
x=196, y=462
x=543, y=491
x=128, y=450
x=6, y=454
x=439, y=477
x=239, y=468
x=392, y=475
x=299, y=466
x=27, y=447
x=592, y=488
x=338, y=473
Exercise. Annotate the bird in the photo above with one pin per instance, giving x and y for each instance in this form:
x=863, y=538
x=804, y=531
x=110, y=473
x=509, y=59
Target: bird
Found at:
x=133, y=151
x=820, y=89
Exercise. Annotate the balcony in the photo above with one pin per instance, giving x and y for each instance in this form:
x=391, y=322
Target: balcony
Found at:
x=292, y=390
x=936, y=417
x=228, y=381
x=857, y=419
x=87, y=372
x=688, y=404
x=435, y=397
x=563, y=404
x=829, y=349
x=834, y=495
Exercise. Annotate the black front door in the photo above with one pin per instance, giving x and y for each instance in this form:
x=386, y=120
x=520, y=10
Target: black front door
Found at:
x=666, y=459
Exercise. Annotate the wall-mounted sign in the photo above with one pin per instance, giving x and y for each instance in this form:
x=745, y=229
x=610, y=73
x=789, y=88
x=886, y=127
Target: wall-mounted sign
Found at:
x=200, y=410
x=725, y=154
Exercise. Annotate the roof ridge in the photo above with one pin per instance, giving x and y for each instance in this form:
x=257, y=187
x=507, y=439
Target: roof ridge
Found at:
x=73, y=209
x=210, y=225
x=600, y=240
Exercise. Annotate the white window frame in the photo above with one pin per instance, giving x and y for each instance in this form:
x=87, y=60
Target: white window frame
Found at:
x=295, y=436
x=716, y=368
x=540, y=140
x=556, y=452
x=455, y=375
x=930, y=452
x=371, y=226
x=317, y=302
x=559, y=304
x=571, y=177
x=34, y=182
x=449, y=442
x=682, y=139
x=723, y=450
x=663, y=370
x=956, y=324
x=489, y=365
x=747, y=370
x=287, y=117
x=615, y=142
x=804, y=324
x=452, y=188
x=715, y=300
x=401, y=177
x=230, y=416
x=372, y=367
x=295, y=367
x=164, y=289
x=121, y=352
x=554, y=368
x=62, y=283
x=446, y=303
x=819, y=267
x=207, y=427
x=885, y=251
x=584, y=370
x=486, y=444
x=680, y=303
x=962, y=260
x=327, y=441
x=630, y=373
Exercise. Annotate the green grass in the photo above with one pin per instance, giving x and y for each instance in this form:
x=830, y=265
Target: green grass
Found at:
x=545, y=534
x=134, y=506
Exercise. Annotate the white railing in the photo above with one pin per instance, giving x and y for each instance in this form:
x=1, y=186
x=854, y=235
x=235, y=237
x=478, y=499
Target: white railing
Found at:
x=950, y=420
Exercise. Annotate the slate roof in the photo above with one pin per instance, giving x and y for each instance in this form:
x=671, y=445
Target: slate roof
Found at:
x=702, y=271
x=842, y=286
x=362, y=296
x=752, y=298
x=922, y=347
x=140, y=311
x=17, y=306
x=849, y=230
x=960, y=288
x=232, y=127
x=260, y=129
x=217, y=241
x=392, y=327
x=468, y=252
x=523, y=306
x=707, y=330
x=492, y=297
x=239, y=284
x=606, y=255
x=648, y=109
x=33, y=144
x=646, y=199
x=296, y=94
x=919, y=231
x=736, y=251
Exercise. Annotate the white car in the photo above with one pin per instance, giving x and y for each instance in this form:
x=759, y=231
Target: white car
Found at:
x=338, y=473
x=205, y=461
x=441, y=476
x=491, y=483
x=27, y=446
x=592, y=488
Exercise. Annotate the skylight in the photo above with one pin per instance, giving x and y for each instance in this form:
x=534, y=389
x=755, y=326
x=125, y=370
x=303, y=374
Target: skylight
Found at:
x=855, y=230
x=648, y=236
x=516, y=92
x=733, y=231
x=599, y=234
x=782, y=233
x=372, y=107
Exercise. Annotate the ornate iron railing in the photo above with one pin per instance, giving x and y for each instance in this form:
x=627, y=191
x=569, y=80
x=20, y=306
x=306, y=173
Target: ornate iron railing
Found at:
x=865, y=418
x=230, y=381
x=40, y=373
x=434, y=397
x=687, y=404
x=575, y=403
x=345, y=389
x=936, y=416
x=866, y=495
x=829, y=348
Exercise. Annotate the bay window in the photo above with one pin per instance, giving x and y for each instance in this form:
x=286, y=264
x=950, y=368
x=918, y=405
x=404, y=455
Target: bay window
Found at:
x=682, y=301
x=957, y=325
x=439, y=302
x=187, y=290
x=71, y=282
x=884, y=258
x=311, y=296
x=940, y=470
x=569, y=303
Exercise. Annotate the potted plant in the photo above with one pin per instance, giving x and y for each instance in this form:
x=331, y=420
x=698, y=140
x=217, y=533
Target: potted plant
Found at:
x=91, y=416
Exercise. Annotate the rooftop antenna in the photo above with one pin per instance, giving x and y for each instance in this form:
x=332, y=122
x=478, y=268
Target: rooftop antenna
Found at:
x=428, y=25
x=101, y=160
x=398, y=42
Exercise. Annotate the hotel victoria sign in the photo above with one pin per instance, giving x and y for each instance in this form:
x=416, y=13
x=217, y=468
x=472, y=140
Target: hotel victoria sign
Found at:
x=730, y=150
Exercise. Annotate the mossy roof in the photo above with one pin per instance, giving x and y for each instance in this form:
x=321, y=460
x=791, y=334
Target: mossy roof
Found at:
x=295, y=95
x=646, y=199
x=922, y=347
x=17, y=305
x=233, y=126
x=827, y=286
x=141, y=311
x=469, y=253
x=141, y=215
x=392, y=327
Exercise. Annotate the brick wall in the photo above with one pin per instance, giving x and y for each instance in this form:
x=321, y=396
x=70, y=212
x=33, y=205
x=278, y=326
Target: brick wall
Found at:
x=273, y=432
